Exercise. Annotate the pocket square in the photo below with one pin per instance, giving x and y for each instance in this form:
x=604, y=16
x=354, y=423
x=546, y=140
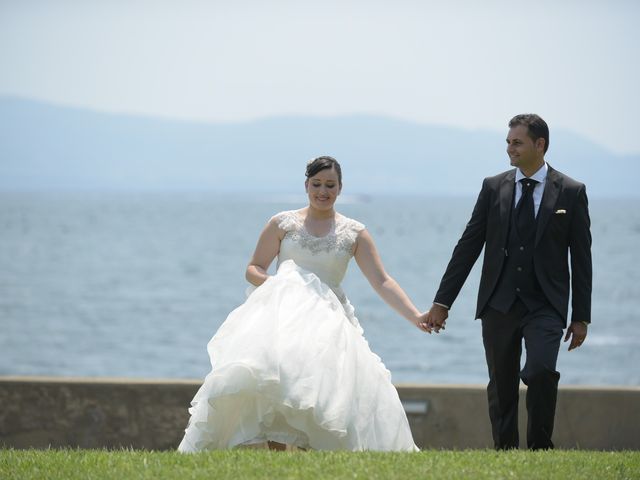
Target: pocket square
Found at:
x=562, y=211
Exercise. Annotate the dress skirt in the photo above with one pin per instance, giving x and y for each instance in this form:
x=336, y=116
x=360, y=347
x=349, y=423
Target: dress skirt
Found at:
x=291, y=365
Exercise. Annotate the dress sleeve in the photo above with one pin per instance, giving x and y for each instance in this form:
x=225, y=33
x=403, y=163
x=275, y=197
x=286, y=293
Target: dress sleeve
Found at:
x=357, y=227
x=285, y=220
x=351, y=230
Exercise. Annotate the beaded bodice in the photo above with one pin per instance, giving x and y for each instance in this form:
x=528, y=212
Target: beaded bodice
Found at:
x=328, y=256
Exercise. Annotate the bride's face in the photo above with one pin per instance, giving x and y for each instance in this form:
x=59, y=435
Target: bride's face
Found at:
x=323, y=189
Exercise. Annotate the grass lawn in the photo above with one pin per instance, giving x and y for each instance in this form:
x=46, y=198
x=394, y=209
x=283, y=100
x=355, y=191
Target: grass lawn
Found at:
x=263, y=464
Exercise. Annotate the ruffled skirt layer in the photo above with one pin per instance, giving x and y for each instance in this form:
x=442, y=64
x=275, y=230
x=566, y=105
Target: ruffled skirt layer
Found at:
x=291, y=365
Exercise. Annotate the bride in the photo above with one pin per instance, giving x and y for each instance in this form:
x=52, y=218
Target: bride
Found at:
x=291, y=366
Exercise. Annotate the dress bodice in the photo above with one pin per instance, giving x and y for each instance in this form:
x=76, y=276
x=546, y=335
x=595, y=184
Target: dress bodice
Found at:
x=328, y=256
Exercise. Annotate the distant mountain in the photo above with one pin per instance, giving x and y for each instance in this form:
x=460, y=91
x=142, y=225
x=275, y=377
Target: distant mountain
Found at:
x=44, y=146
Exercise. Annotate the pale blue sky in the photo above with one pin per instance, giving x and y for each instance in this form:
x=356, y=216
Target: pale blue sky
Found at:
x=471, y=64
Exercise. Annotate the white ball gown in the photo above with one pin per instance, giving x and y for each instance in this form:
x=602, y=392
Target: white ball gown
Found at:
x=291, y=364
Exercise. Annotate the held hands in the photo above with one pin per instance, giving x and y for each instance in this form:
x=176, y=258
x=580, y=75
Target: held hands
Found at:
x=421, y=322
x=577, y=331
x=436, y=318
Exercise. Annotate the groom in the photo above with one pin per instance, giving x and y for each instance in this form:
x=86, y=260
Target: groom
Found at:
x=527, y=219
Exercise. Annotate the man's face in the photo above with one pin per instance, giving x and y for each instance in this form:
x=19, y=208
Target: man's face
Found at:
x=523, y=152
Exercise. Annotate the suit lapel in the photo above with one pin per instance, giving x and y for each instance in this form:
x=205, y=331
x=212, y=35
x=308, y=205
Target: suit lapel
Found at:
x=507, y=186
x=549, y=198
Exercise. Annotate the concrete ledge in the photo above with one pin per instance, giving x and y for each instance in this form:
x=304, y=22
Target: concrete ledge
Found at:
x=41, y=412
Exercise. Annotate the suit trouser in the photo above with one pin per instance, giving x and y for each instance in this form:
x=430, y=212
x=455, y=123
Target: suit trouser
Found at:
x=502, y=335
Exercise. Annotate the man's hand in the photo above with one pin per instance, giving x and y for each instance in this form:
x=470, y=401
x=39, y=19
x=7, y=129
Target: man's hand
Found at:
x=577, y=331
x=436, y=318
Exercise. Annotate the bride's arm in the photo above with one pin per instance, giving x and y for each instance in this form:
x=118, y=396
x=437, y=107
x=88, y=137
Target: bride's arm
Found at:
x=266, y=250
x=369, y=261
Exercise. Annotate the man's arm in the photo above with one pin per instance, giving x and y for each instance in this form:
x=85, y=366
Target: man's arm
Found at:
x=581, y=269
x=462, y=260
x=466, y=251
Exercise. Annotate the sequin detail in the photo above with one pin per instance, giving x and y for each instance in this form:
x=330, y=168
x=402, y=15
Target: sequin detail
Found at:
x=342, y=238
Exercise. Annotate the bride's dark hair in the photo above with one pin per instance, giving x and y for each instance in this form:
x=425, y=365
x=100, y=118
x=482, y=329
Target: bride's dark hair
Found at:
x=323, y=163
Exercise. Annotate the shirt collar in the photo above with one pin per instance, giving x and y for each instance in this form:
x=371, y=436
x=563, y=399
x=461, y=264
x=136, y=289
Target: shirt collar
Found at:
x=540, y=176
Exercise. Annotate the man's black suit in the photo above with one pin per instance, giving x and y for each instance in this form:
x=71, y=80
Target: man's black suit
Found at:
x=563, y=227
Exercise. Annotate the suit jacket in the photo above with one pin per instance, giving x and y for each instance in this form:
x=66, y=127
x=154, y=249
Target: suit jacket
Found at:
x=563, y=226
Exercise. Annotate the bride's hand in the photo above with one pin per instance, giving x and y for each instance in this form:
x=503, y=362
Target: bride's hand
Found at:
x=421, y=322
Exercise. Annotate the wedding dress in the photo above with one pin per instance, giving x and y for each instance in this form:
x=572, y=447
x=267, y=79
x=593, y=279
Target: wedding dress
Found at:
x=291, y=364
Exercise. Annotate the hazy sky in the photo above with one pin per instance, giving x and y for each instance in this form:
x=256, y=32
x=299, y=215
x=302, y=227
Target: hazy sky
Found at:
x=471, y=64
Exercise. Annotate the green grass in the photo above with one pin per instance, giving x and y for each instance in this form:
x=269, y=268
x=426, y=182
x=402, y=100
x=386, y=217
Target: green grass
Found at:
x=263, y=464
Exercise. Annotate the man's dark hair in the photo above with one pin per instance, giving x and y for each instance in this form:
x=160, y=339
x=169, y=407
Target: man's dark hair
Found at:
x=536, y=126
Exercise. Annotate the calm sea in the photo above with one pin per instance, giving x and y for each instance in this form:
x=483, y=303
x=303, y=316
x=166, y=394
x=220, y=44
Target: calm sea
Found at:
x=134, y=285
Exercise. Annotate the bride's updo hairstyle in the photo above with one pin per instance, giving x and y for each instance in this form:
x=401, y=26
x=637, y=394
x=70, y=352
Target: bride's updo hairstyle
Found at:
x=323, y=163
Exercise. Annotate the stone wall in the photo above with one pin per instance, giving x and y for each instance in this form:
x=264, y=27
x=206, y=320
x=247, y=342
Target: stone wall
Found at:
x=151, y=414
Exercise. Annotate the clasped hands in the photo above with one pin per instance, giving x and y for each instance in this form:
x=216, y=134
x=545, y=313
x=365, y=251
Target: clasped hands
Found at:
x=433, y=320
